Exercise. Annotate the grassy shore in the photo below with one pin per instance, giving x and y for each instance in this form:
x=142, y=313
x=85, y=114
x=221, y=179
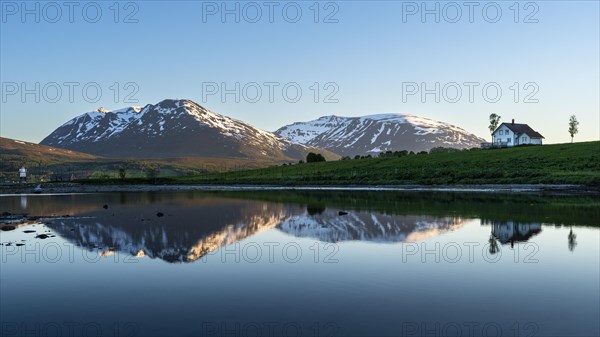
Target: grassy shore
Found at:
x=577, y=163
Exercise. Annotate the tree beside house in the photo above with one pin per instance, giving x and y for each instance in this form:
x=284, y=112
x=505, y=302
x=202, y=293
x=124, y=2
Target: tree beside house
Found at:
x=494, y=120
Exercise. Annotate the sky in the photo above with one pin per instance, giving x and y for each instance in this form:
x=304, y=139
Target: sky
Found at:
x=275, y=63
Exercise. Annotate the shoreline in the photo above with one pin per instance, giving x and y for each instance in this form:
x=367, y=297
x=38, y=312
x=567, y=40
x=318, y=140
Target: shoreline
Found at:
x=71, y=188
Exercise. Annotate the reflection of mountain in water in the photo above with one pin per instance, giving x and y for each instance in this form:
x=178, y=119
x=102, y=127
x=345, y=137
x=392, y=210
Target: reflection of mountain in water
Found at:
x=329, y=226
x=183, y=234
x=511, y=232
x=196, y=223
x=189, y=230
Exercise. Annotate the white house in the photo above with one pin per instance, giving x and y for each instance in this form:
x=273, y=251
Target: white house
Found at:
x=512, y=134
x=23, y=174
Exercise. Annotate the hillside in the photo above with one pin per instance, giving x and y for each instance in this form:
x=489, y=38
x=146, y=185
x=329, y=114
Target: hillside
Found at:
x=15, y=153
x=372, y=134
x=577, y=163
x=50, y=163
x=12, y=148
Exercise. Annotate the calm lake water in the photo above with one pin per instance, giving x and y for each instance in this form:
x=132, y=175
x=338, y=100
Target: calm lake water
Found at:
x=301, y=264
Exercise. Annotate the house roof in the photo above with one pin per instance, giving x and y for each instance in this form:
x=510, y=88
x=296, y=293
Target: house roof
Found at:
x=520, y=129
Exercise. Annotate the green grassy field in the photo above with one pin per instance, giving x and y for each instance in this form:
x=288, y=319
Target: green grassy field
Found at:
x=577, y=163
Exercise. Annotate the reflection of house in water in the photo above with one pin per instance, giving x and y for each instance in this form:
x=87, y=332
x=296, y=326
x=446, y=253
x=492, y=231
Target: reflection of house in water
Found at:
x=511, y=232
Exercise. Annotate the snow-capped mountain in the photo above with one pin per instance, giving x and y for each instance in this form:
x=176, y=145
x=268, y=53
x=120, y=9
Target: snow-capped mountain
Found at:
x=170, y=128
x=349, y=136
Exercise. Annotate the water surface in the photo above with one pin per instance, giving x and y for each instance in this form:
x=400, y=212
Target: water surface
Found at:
x=301, y=263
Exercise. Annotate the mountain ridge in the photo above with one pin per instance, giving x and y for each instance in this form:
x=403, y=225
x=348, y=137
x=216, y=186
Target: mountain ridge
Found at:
x=183, y=128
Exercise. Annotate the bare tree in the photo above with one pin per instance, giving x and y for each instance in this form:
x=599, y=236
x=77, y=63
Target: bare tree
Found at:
x=573, y=127
x=494, y=120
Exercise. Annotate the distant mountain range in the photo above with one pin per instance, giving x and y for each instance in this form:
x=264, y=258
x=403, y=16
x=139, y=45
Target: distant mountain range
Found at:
x=349, y=136
x=182, y=128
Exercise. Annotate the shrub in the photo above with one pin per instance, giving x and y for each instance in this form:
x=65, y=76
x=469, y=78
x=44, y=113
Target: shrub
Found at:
x=444, y=150
x=122, y=173
x=151, y=173
x=314, y=157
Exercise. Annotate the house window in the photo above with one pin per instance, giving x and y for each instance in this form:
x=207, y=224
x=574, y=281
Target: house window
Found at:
x=524, y=139
x=508, y=140
x=501, y=132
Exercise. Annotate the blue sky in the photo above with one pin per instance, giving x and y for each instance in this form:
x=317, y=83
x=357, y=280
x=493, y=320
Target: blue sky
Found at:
x=370, y=57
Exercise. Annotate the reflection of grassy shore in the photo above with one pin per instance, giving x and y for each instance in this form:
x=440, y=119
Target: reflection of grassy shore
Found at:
x=523, y=208
x=548, y=164
x=519, y=208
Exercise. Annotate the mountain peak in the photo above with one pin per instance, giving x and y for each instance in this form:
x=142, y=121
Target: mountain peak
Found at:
x=385, y=116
